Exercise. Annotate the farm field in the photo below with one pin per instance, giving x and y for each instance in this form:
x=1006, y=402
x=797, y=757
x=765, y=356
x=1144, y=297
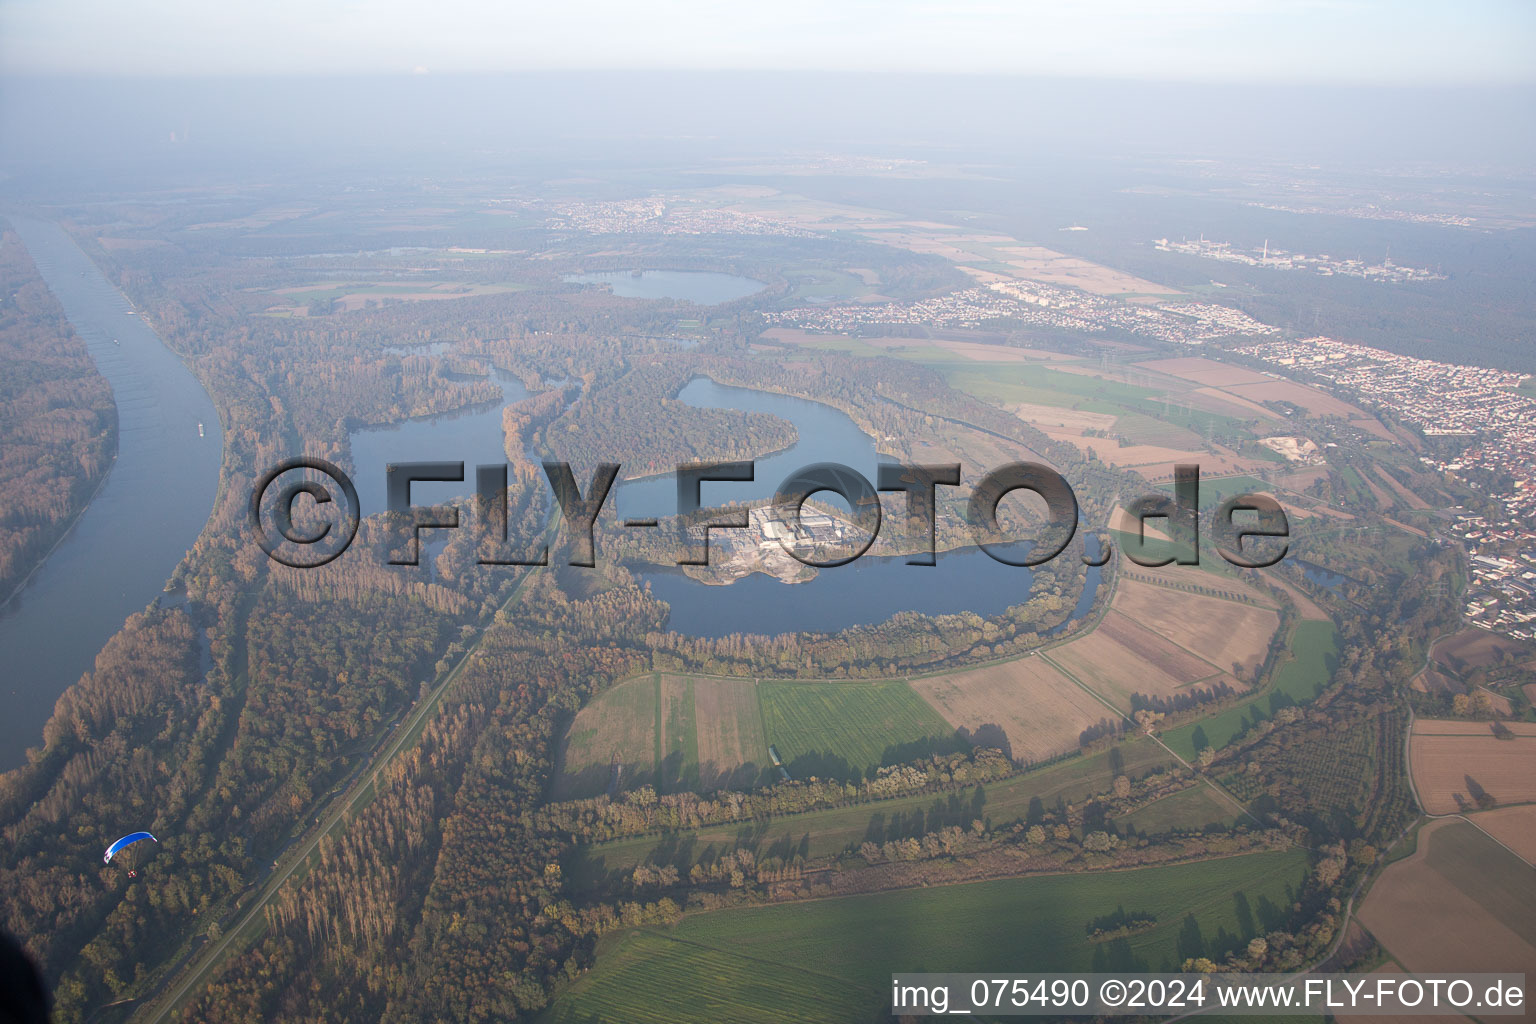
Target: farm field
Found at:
x=667, y=730
x=691, y=732
x=346, y=297
x=1224, y=633
x=1204, y=371
x=1026, y=704
x=1453, y=760
x=677, y=750
x=1121, y=658
x=834, y=958
x=1141, y=412
x=1459, y=903
x=617, y=728
x=1515, y=827
x=848, y=729
x=829, y=832
x=731, y=751
x=1314, y=648
x=1474, y=648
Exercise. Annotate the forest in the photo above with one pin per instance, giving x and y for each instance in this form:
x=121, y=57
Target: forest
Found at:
x=58, y=424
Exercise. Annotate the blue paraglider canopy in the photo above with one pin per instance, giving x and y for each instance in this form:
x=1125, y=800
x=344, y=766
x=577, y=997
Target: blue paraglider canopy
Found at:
x=127, y=840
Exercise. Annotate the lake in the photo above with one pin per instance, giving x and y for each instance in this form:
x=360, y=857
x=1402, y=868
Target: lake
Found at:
x=869, y=590
x=702, y=288
x=472, y=436
x=157, y=496
x=865, y=591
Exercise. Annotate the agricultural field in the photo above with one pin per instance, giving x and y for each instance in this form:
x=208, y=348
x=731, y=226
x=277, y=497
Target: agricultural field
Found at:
x=348, y=296
x=1037, y=263
x=1515, y=827
x=848, y=729
x=1207, y=372
x=1224, y=633
x=700, y=732
x=671, y=731
x=677, y=764
x=1121, y=658
x=1313, y=652
x=1461, y=902
x=832, y=959
x=1454, y=762
x=1025, y=706
x=1474, y=648
x=1250, y=388
x=984, y=353
x=729, y=743
x=616, y=729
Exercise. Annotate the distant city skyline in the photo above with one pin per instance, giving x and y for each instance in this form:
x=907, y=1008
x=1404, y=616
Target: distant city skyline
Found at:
x=1355, y=41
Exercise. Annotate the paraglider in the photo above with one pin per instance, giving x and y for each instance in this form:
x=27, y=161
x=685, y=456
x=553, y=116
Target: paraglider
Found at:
x=124, y=842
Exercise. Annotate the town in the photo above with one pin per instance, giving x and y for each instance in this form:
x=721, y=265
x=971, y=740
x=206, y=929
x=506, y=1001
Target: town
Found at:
x=1445, y=400
x=1037, y=305
x=1275, y=258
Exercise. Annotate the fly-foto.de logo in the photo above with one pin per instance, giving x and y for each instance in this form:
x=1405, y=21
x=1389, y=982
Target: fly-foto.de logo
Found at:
x=304, y=512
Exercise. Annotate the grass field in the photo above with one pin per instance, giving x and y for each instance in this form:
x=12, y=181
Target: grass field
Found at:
x=847, y=730
x=831, y=960
x=677, y=743
x=353, y=295
x=1194, y=807
x=671, y=731
x=1314, y=650
x=619, y=727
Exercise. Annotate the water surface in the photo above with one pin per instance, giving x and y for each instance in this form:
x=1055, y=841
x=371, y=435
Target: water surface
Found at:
x=129, y=540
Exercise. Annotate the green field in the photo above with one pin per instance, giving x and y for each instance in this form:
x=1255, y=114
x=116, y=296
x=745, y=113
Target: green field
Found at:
x=1190, y=808
x=677, y=741
x=1147, y=419
x=1314, y=648
x=820, y=283
x=827, y=833
x=829, y=729
x=831, y=960
x=847, y=730
x=328, y=290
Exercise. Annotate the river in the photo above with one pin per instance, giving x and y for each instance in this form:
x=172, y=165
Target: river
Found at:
x=155, y=501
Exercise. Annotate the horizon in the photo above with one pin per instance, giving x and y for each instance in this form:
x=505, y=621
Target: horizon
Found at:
x=1324, y=41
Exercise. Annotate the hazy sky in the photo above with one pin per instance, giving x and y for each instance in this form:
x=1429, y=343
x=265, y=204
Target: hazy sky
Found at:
x=1398, y=41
